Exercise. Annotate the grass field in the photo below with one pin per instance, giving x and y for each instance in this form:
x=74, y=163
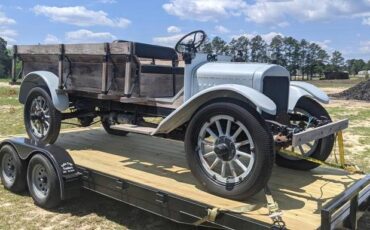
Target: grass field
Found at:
x=92, y=211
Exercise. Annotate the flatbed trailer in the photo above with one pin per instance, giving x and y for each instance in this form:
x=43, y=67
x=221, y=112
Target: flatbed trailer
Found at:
x=150, y=173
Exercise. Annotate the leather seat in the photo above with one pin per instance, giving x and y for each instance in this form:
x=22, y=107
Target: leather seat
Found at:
x=160, y=69
x=156, y=52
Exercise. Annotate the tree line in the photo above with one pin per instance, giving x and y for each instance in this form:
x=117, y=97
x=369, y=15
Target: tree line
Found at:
x=300, y=57
x=304, y=58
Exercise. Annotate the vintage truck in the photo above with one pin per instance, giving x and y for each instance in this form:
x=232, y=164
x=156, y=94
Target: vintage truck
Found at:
x=234, y=118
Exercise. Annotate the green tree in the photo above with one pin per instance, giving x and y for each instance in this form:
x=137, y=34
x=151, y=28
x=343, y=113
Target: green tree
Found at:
x=239, y=47
x=219, y=46
x=322, y=60
x=292, y=55
x=5, y=60
x=258, y=50
x=355, y=65
x=277, y=50
x=337, y=61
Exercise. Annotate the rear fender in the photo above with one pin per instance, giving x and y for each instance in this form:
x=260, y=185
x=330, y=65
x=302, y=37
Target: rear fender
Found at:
x=303, y=89
x=62, y=162
x=242, y=93
x=44, y=79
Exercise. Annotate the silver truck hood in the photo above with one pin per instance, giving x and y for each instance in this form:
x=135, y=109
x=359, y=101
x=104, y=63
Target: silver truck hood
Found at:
x=247, y=74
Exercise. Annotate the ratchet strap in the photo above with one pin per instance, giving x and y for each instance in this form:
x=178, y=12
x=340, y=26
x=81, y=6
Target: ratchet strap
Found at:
x=273, y=208
x=351, y=168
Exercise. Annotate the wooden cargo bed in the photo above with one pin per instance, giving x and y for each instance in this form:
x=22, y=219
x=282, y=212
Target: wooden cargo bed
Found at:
x=161, y=164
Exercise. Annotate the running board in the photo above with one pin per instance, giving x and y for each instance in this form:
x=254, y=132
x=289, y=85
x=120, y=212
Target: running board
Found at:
x=134, y=129
x=318, y=133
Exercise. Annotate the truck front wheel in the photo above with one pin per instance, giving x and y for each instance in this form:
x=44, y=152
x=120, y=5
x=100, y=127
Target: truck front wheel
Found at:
x=319, y=149
x=41, y=119
x=229, y=151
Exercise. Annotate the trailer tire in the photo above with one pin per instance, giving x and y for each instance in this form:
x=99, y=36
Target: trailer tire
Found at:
x=54, y=117
x=43, y=182
x=13, y=170
x=110, y=131
x=240, y=183
x=323, y=147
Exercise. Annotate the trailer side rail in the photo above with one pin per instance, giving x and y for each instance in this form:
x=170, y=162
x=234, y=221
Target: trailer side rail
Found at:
x=345, y=206
x=173, y=207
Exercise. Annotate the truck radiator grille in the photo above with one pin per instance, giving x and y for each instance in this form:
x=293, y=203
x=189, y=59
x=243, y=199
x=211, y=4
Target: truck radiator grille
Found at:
x=277, y=89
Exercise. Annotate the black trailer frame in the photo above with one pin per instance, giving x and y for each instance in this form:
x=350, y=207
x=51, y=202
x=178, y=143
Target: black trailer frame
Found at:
x=342, y=209
x=181, y=210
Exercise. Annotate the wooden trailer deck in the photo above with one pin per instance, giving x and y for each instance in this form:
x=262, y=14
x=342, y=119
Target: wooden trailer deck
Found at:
x=160, y=163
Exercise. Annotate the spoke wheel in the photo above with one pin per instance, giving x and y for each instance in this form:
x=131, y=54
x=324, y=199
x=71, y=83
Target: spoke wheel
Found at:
x=306, y=149
x=42, y=120
x=229, y=150
x=319, y=149
x=40, y=117
x=225, y=149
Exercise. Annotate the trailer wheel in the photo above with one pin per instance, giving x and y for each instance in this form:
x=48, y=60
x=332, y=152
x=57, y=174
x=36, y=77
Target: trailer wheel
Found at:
x=319, y=149
x=42, y=120
x=229, y=151
x=106, y=126
x=13, y=170
x=43, y=182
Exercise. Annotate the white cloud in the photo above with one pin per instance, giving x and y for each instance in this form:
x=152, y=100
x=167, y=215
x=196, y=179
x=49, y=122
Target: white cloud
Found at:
x=324, y=44
x=365, y=47
x=87, y=36
x=277, y=12
x=9, y=35
x=4, y=20
x=107, y=1
x=204, y=10
x=366, y=21
x=80, y=16
x=221, y=29
x=269, y=12
x=51, y=39
x=169, y=41
x=173, y=29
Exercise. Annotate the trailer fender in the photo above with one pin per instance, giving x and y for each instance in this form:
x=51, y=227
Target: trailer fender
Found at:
x=62, y=162
x=44, y=79
x=302, y=89
x=239, y=92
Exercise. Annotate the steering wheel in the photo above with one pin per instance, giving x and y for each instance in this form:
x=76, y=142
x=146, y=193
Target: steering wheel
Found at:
x=191, y=42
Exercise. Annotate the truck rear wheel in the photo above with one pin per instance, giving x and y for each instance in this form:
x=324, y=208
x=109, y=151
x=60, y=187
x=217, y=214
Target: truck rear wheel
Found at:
x=319, y=149
x=13, y=170
x=229, y=151
x=41, y=119
x=43, y=182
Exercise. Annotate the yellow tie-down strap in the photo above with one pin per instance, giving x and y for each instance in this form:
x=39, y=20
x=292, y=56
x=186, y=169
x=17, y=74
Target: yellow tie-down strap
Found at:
x=351, y=168
x=273, y=208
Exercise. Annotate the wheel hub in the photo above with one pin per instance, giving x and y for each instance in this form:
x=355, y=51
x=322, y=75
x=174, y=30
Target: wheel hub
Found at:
x=225, y=148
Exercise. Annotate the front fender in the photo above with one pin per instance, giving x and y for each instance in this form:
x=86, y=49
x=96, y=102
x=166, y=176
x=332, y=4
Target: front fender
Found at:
x=48, y=80
x=239, y=92
x=303, y=89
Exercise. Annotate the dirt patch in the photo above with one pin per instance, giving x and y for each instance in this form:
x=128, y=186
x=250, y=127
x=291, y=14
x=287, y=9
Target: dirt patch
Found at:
x=6, y=84
x=353, y=104
x=361, y=91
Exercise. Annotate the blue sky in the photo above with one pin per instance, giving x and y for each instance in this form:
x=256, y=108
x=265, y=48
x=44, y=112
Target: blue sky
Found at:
x=342, y=25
